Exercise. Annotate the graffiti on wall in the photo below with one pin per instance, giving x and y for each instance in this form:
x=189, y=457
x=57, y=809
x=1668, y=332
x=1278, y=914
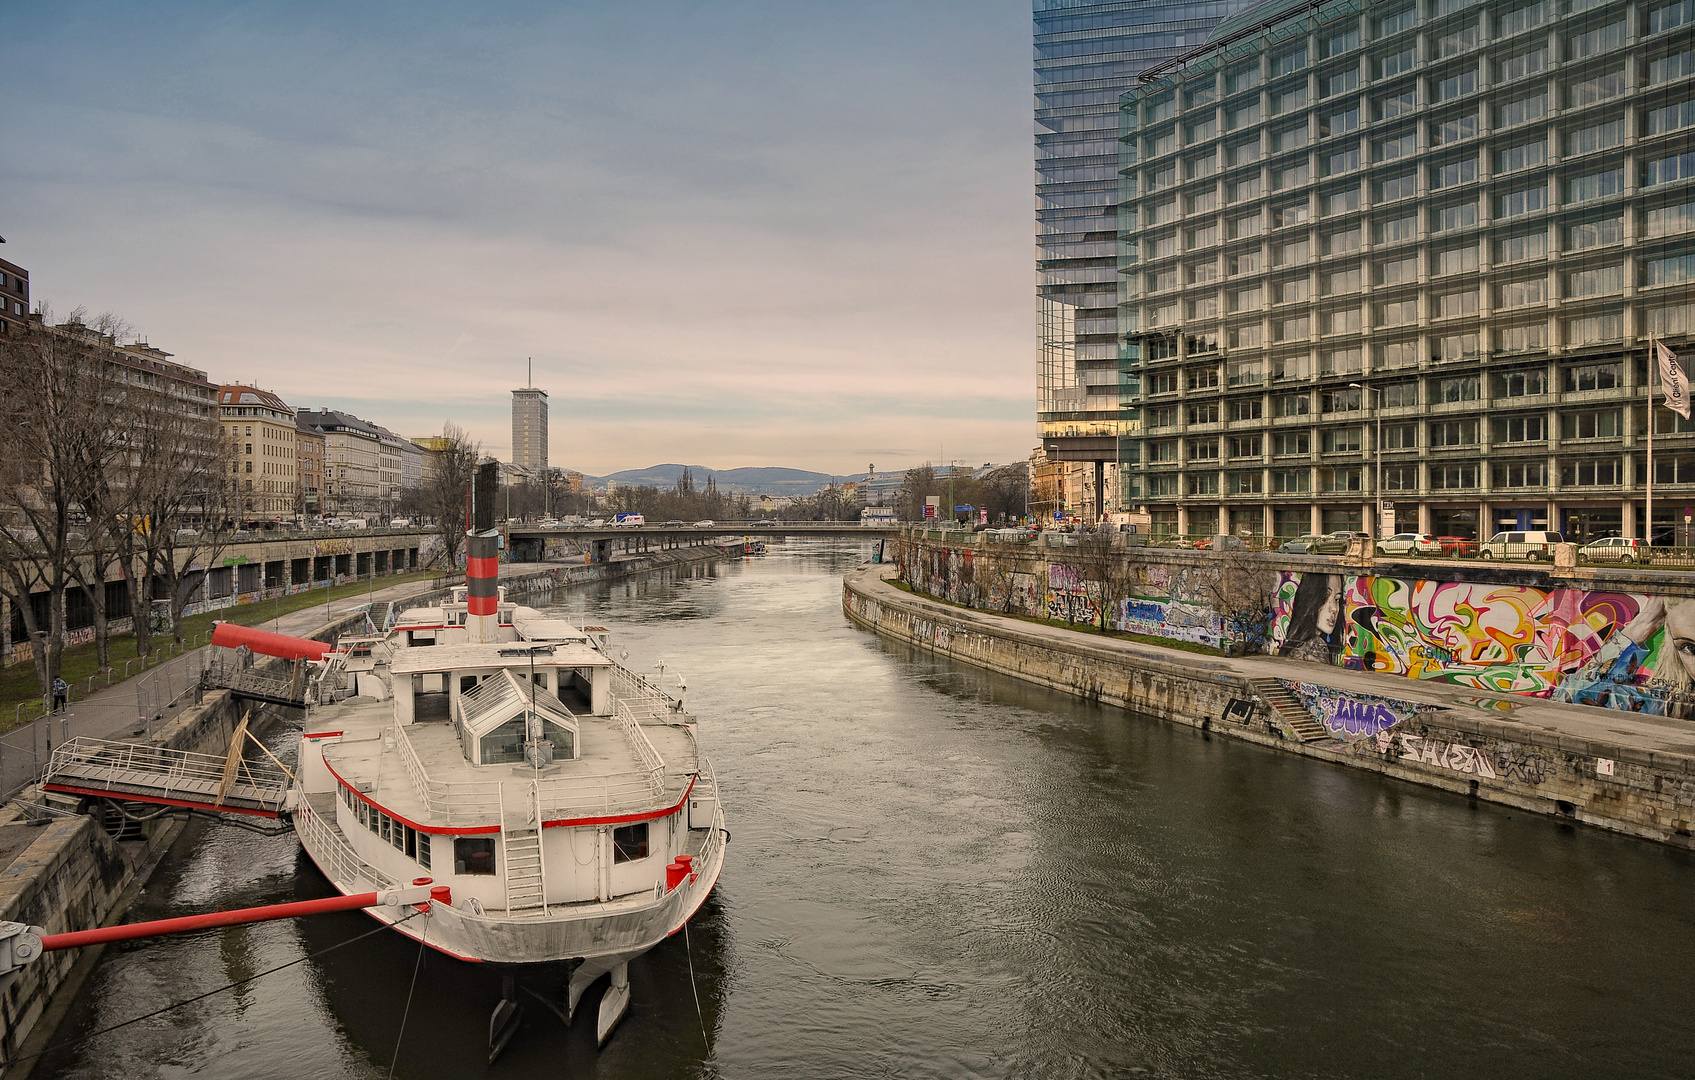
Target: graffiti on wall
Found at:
x=1609, y=649
x=1351, y=716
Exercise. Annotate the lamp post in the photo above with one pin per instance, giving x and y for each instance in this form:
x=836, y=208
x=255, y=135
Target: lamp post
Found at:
x=1377, y=410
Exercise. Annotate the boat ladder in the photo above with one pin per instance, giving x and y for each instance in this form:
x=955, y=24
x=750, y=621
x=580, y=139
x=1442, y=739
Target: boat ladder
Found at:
x=1283, y=702
x=520, y=844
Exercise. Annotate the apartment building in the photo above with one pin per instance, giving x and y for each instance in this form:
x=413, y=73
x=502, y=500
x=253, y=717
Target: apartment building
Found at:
x=259, y=428
x=1398, y=265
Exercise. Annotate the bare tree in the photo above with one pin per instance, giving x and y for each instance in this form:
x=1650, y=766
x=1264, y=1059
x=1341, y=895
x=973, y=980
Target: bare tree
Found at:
x=446, y=490
x=1241, y=588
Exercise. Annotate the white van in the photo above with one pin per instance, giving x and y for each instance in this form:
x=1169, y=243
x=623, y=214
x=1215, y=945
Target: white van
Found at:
x=1521, y=545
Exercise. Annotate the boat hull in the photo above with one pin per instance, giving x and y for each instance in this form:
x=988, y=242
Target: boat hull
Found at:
x=609, y=933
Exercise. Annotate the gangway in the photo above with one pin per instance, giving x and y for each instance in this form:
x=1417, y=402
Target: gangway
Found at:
x=234, y=670
x=138, y=772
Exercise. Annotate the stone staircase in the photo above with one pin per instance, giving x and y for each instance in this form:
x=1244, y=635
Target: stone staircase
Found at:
x=379, y=615
x=1288, y=707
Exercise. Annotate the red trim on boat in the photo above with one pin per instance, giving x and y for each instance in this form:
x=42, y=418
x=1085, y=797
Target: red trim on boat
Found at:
x=67, y=789
x=438, y=830
x=321, y=735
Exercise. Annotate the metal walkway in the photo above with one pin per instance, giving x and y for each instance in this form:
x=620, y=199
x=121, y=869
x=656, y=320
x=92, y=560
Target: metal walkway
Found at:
x=234, y=670
x=150, y=774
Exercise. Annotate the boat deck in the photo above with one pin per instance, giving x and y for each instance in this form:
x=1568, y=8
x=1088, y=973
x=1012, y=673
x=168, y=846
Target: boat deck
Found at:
x=439, y=787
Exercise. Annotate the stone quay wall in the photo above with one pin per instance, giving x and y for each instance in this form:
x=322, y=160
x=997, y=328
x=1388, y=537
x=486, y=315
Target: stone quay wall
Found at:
x=1457, y=748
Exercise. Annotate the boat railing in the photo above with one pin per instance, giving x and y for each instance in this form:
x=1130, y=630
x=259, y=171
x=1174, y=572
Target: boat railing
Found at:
x=344, y=864
x=468, y=802
x=457, y=802
x=642, y=696
x=652, y=764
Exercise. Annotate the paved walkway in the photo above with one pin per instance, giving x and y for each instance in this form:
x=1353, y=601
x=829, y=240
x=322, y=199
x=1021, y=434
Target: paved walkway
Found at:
x=112, y=712
x=1581, y=728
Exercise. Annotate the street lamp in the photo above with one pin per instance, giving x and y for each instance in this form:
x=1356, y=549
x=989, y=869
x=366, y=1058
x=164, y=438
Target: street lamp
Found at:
x=1377, y=410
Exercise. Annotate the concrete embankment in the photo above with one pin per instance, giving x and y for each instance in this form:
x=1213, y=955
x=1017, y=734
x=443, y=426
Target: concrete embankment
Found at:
x=1625, y=772
x=64, y=870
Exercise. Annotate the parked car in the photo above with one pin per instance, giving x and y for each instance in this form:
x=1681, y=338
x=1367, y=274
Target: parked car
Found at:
x=1410, y=544
x=1231, y=543
x=1462, y=547
x=1329, y=544
x=1615, y=549
x=1531, y=545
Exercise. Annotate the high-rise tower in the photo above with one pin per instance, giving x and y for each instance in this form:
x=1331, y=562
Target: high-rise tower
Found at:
x=529, y=428
x=1087, y=54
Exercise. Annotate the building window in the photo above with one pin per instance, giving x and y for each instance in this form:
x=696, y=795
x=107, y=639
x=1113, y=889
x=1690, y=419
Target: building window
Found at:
x=1453, y=477
x=1521, y=474
x=1667, y=169
x=1203, y=412
x=1393, y=63
x=1524, y=156
x=1246, y=483
x=1344, y=399
x=1291, y=444
x=1594, y=42
x=1295, y=97
x=1591, y=424
x=1597, y=233
x=1400, y=436
x=1601, y=87
x=1462, y=388
x=1524, y=248
x=1396, y=271
x=1292, y=405
x=1336, y=480
x=1515, y=294
x=1291, y=481
x=1522, y=111
x=1601, y=473
x=1203, y=483
x=1520, y=429
x=1596, y=281
x=1203, y=449
x=1241, y=78
x=1246, y=446
x=1525, y=338
x=1341, y=440
x=1395, y=230
x=1532, y=62
x=1285, y=63
x=1522, y=18
x=1675, y=66
x=1595, y=186
x=1342, y=362
x=1395, y=313
x=1453, y=433
x=1398, y=103
x=1405, y=19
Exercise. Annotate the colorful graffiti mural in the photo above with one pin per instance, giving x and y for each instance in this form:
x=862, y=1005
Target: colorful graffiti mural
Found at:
x=1614, y=650
x=1351, y=716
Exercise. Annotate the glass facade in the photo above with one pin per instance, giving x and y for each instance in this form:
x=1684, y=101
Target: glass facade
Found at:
x=1427, y=238
x=1086, y=56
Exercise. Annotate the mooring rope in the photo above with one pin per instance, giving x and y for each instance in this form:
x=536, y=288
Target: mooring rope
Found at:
x=416, y=964
x=201, y=997
x=688, y=950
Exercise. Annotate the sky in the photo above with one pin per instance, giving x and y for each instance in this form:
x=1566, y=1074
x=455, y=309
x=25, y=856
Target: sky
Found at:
x=729, y=234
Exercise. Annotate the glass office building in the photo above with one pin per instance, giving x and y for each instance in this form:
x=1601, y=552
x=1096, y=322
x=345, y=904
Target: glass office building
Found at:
x=1412, y=251
x=1087, y=54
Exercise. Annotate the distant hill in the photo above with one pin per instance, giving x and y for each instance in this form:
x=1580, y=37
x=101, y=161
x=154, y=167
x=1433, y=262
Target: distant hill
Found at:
x=749, y=481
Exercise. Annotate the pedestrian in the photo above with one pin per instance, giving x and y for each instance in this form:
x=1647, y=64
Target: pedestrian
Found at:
x=61, y=694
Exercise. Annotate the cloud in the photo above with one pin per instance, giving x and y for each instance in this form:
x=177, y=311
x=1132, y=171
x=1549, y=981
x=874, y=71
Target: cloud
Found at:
x=759, y=233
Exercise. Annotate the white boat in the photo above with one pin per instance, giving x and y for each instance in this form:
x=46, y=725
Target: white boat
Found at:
x=562, y=798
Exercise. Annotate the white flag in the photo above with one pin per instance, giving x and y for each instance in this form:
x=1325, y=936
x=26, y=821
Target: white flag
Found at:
x=1673, y=381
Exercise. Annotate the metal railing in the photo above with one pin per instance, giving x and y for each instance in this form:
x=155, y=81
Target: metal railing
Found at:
x=329, y=847
x=651, y=762
x=171, y=771
x=476, y=801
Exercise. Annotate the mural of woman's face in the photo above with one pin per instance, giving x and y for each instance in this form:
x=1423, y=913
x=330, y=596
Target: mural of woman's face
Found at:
x=1330, y=611
x=1680, y=633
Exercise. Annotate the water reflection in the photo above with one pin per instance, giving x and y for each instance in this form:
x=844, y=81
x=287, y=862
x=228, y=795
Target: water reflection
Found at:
x=936, y=872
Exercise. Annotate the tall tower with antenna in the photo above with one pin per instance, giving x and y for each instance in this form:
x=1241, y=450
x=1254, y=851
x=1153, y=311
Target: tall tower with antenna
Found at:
x=529, y=426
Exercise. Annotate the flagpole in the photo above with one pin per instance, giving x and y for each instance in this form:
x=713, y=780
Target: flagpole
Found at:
x=1653, y=373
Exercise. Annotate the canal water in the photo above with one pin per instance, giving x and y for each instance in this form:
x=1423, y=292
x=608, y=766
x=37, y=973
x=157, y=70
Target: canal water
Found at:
x=939, y=872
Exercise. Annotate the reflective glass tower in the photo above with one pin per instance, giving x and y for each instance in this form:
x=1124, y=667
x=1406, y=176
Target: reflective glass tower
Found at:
x=1087, y=54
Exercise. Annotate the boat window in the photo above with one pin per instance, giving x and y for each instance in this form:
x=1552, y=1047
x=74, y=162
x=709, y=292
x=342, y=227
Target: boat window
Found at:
x=505, y=743
x=424, y=850
x=473, y=855
x=467, y=682
x=563, y=739
x=629, y=842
